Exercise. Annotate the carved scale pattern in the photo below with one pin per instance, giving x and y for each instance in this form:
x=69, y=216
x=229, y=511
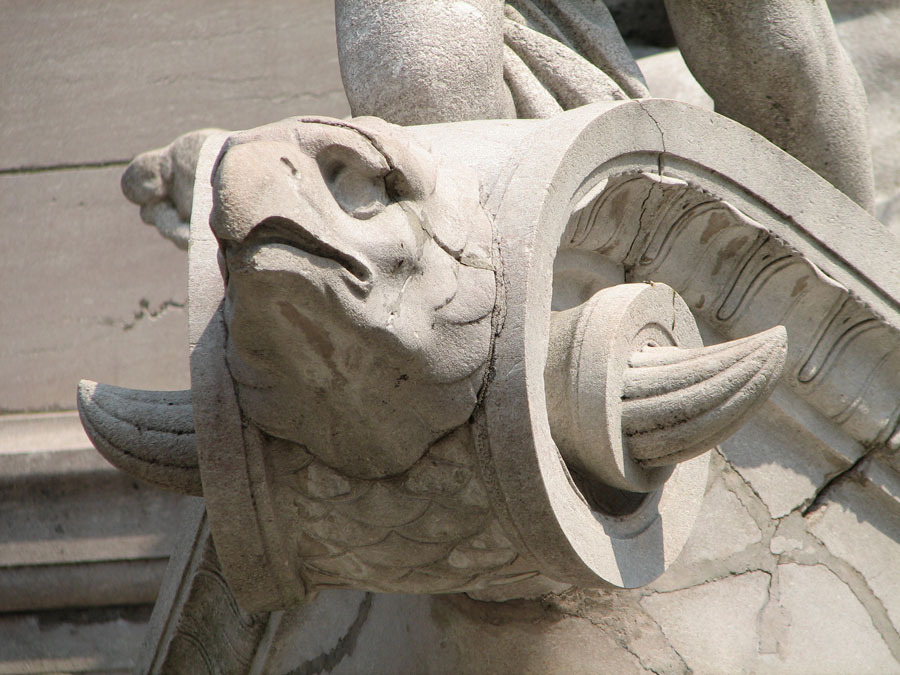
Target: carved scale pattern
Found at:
x=430, y=529
x=213, y=634
x=742, y=279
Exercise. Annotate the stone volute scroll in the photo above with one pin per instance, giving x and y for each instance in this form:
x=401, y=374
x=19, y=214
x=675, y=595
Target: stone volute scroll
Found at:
x=408, y=375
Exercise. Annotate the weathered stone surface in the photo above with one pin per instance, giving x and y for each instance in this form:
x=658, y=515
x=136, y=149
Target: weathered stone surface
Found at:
x=90, y=291
x=820, y=627
x=668, y=76
x=787, y=457
x=450, y=634
x=858, y=523
x=815, y=440
x=723, y=528
x=87, y=641
x=362, y=529
x=368, y=169
x=79, y=534
x=351, y=631
x=714, y=627
x=99, y=81
x=83, y=550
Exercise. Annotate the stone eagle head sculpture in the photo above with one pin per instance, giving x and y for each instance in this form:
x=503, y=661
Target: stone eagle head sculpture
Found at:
x=358, y=431
x=359, y=290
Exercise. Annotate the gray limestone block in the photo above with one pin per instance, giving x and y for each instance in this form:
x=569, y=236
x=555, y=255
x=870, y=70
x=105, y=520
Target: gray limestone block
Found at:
x=859, y=524
x=80, y=533
x=724, y=527
x=818, y=625
x=727, y=609
x=90, y=291
x=100, y=81
x=788, y=453
x=91, y=641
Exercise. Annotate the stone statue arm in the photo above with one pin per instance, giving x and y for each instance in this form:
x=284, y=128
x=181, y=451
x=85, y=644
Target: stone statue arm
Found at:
x=421, y=61
x=161, y=182
x=415, y=62
x=777, y=67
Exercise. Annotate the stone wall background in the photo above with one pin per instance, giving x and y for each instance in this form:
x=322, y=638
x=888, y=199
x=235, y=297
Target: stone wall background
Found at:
x=88, y=291
x=793, y=565
x=86, y=85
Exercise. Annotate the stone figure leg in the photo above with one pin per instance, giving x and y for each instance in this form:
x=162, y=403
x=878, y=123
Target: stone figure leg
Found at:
x=421, y=61
x=777, y=67
x=425, y=62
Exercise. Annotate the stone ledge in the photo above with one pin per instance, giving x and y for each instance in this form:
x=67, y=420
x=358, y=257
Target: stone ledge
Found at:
x=81, y=533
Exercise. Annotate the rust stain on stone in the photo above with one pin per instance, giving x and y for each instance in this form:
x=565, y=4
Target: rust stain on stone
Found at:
x=718, y=221
x=317, y=337
x=728, y=252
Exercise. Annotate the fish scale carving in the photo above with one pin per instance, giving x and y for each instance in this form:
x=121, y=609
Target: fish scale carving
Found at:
x=433, y=522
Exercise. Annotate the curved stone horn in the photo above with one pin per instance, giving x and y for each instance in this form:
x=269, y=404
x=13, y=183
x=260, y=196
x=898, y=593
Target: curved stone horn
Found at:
x=631, y=391
x=147, y=434
x=678, y=403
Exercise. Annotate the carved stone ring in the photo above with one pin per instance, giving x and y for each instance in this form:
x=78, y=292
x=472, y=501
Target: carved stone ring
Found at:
x=427, y=373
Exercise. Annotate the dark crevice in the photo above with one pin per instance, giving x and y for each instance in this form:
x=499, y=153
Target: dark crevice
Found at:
x=327, y=661
x=146, y=313
x=63, y=167
x=817, y=500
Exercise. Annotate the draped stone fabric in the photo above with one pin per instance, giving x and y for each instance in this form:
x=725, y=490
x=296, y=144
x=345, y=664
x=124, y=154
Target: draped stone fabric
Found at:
x=561, y=55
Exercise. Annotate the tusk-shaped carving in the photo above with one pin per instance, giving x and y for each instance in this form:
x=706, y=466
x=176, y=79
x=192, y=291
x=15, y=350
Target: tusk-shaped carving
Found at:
x=622, y=412
x=678, y=403
x=147, y=434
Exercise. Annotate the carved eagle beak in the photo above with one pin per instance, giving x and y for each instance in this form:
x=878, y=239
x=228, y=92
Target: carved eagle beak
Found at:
x=147, y=434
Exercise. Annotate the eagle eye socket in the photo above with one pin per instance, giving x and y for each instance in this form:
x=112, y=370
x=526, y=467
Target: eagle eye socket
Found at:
x=357, y=185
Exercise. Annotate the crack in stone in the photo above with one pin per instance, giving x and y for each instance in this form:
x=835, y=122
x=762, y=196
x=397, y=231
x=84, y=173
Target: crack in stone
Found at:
x=637, y=236
x=74, y=166
x=816, y=502
x=662, y=139
x=146, y=313
x=856, y=582
x=761, y=627
x=327, y=661
x=819, y=555
x=714, y=576
x=730, y=470
x=606, y=611
x=681, y=660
